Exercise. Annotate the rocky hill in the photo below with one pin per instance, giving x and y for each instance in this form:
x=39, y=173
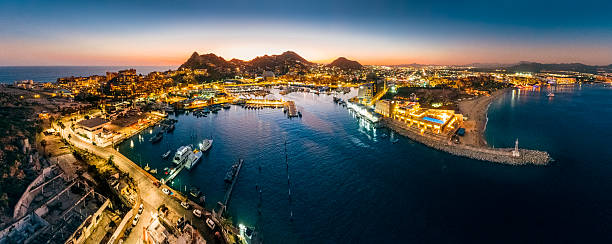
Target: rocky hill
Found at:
x=344, y=63
x=279, y=64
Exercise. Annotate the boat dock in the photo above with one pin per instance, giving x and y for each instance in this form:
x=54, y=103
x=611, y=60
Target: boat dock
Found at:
x=173, y=174
x=291, y=110
x=228, y=193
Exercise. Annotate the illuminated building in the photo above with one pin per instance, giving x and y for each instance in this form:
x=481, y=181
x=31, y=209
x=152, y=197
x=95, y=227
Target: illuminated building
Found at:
x=435, y=120
x=384, y=107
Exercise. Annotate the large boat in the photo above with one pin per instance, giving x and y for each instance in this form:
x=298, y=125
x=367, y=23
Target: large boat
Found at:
x=193, y=158
x=181, y=155
x=205, y=145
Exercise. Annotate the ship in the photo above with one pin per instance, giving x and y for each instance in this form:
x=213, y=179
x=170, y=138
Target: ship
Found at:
x=181, y=155
x=157, y=137
x=193, y=158
x=205, y=145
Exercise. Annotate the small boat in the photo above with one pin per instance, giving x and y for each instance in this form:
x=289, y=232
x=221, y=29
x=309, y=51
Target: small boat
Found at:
x=550, y=94
x=166, y=155
x=147, y=168
x=166, y=169
x=170, y=128
x=157, y=137
x=194, y=192
x=226, y=106
x=394, y=140
x=153, y=171
x=383, y=135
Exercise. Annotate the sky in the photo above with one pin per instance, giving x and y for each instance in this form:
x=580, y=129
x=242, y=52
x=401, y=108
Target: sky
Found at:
x=108, y=32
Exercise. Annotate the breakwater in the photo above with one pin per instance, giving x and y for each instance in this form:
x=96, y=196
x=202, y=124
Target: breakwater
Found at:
x=497, y=155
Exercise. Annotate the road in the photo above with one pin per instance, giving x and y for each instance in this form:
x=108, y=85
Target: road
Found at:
x=151, y=195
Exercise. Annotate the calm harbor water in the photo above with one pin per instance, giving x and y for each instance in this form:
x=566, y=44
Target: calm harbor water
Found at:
x=10, y=74
x=350, y=184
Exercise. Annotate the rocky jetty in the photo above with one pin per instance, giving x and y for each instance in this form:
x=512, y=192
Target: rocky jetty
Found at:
x=497, y=155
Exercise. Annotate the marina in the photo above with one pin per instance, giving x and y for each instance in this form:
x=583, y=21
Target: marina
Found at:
x=319, y=162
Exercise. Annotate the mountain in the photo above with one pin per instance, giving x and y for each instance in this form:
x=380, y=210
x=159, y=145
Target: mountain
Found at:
x=217, y=67
x=534, y=67
x=344, y=63
x=279, y=64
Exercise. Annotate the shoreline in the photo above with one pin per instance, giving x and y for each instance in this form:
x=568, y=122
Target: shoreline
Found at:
x=476, y=110
x=474, y=145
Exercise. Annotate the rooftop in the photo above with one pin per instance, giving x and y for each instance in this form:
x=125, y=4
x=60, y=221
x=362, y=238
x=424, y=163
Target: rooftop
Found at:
x=91, y=123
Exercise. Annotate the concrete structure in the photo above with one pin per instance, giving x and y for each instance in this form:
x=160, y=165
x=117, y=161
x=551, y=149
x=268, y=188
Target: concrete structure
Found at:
x=84, y=231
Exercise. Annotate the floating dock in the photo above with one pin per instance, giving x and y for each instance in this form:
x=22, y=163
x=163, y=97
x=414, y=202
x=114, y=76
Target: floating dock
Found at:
x=173, y=174
x=228, y=193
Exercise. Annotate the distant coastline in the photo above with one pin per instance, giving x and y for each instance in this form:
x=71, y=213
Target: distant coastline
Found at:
x=10, y=74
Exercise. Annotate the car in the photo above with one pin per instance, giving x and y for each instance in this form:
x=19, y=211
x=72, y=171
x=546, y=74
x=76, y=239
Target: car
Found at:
x=166, y=191
x=140, y=209
x=135, y=221
x=210, y=223
x=185, y=205
x=197, y=213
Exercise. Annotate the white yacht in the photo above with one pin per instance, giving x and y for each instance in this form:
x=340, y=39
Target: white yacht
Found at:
x=181, y=155
x=205, y=145
x=193, y=159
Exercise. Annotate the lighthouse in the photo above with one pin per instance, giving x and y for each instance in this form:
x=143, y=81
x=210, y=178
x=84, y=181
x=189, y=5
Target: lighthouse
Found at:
x=515, y=152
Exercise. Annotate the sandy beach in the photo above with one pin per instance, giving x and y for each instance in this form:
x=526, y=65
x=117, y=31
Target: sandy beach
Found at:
x=476, y=112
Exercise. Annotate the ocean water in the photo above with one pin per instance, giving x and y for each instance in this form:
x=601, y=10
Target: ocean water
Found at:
x=10, y=74
x=350, y=184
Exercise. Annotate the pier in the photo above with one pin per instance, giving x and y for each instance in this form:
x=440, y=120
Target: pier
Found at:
x=173, y=174
x=291, y=110
x=228, y=193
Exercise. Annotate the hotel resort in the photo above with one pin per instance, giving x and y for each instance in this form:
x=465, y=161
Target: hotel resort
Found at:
x=434, y=121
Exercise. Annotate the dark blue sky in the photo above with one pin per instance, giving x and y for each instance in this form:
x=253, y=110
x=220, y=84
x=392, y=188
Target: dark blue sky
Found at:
x=384, y=32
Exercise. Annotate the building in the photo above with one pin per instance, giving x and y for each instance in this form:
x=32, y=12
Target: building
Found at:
x=384, y=107
x=92, y=130
x=365, y=93
x=436, y=121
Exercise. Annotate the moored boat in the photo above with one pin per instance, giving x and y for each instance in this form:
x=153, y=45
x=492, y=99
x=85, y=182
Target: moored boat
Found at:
x=205, y=145
x=181, y=155
x=193, y=158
